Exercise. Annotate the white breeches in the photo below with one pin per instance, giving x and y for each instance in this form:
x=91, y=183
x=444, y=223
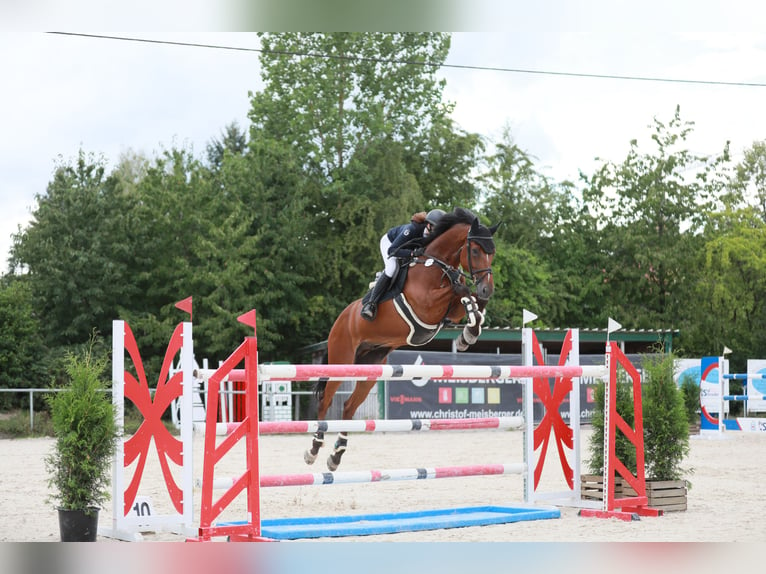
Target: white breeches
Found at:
x=389, y=262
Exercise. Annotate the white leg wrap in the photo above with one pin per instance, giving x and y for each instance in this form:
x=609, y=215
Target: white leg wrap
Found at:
x=472, y=330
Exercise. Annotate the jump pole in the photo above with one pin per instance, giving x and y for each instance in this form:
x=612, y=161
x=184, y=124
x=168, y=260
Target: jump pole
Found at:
x=371, y=425
x=388, y=475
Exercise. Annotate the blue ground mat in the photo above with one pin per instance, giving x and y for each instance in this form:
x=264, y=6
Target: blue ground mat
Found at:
x=366, y=524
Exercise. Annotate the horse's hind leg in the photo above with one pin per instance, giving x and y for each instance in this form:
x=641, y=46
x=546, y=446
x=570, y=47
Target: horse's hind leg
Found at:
x=317, y=442
x=325, y=401
x=333, y=461
x=361, y=390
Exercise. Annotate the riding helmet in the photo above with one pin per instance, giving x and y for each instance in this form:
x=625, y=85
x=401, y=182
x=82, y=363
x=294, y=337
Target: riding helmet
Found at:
x=434, y=216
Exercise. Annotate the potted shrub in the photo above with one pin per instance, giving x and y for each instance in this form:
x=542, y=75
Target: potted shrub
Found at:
x=85, y=431
x=592, y=484
x=666, y=433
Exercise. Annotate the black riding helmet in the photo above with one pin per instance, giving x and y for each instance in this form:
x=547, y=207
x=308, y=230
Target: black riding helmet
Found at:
x=434, y=216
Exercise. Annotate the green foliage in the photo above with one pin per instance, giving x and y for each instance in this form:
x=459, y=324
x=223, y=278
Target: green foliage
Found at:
x=523, y=280
x=653, y=206
x=690, y=391
x=285, y=215
x=666, y=427
x=72, y=250
x=85, y=430
x=624, y=449
x=21, y=351
x=362, y=90
x=15, y=424
x=729, y=300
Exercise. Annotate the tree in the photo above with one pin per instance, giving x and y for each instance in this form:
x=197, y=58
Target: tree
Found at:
x=328, y=95
x=751, y=176
x=75, y=260
x=729, y=301
x=546, y=235
x=355, y=113
x=522, y=281
x=517, y=194
x=653, y=208
x=21, y=351
x=233, y=140
x=666, y=429
x=444, y=164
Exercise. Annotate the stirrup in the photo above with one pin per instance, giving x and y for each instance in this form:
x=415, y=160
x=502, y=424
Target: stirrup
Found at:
x=369, y=312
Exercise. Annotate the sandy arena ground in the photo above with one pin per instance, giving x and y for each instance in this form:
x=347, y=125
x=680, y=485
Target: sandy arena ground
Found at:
x=727, y=501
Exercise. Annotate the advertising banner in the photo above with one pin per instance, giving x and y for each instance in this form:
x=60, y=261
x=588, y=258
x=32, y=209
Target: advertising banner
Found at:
x=756, y=387
x=464, y=398
x=710, y=388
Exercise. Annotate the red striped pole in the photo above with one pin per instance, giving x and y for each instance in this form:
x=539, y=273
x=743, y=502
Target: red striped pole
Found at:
x=377, y=425
x=310, y=372
x=390, y=475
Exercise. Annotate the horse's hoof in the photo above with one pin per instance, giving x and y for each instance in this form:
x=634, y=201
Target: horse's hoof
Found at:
x=331, y=464
x=308, y=457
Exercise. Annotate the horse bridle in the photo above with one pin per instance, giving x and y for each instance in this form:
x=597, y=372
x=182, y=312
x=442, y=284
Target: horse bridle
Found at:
x=481, y=273
x=454, y=274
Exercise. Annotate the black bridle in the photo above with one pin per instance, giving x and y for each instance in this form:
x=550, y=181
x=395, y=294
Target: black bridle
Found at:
x=484, y=243
x=454, y=274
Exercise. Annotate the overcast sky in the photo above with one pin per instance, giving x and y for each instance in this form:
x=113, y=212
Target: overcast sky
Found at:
x=61, y=93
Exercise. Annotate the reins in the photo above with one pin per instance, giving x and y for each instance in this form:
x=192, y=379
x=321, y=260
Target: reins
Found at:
x=454, y=274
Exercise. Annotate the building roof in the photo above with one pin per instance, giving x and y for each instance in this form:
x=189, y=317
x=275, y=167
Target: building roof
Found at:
x=507, y=340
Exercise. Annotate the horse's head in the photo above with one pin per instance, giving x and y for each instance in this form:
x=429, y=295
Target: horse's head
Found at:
x=477, y=258
x=462, y=241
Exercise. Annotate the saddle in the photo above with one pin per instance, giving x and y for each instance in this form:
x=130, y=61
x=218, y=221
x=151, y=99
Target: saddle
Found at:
x=395, y=285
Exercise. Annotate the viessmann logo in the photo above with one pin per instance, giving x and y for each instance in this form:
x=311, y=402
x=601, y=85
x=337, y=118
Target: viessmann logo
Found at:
x=402, y=399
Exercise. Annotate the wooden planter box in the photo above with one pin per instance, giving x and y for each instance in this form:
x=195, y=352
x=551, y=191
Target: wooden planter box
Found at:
x=666, y=495
x=592, y=487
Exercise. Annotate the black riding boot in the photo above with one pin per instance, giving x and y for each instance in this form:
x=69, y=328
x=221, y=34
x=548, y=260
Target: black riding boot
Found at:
x=370, y=309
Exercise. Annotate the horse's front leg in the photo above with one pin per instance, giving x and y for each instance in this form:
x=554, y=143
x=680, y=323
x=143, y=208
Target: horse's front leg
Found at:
x=472, y=329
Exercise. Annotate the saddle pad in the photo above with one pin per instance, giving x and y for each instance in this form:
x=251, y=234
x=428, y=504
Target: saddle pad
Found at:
x=420, y=333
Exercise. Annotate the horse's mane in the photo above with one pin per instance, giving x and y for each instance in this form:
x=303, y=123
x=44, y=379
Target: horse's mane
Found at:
x=466, y=216
x=448, y=220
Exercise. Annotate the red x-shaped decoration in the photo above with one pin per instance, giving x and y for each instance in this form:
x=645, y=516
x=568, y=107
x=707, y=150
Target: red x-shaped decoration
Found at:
x=137, y=446
x=552, y=420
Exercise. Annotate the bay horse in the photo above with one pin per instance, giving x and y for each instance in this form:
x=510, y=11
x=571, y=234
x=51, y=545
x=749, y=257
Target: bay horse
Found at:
x=435, y=291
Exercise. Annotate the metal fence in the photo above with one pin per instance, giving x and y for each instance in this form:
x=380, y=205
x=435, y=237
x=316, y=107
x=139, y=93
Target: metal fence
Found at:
x=32, y=400
x=41, y=391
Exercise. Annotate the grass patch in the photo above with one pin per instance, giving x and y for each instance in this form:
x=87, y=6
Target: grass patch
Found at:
x=15, y=424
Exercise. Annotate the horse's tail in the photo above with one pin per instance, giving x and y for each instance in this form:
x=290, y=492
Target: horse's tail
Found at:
x=318, y=390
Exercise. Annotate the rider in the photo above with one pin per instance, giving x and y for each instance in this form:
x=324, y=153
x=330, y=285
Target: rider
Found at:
x=396, y=243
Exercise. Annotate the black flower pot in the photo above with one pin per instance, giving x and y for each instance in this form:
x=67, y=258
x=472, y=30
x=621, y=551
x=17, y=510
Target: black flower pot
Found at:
x=78, y=525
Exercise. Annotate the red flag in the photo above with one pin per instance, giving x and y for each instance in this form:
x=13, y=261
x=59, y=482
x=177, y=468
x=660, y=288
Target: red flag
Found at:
x=186, y=306
x=247, y=318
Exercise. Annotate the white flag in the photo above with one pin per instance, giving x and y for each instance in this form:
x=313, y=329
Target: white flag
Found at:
x=613, y=326
x=527, y=316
